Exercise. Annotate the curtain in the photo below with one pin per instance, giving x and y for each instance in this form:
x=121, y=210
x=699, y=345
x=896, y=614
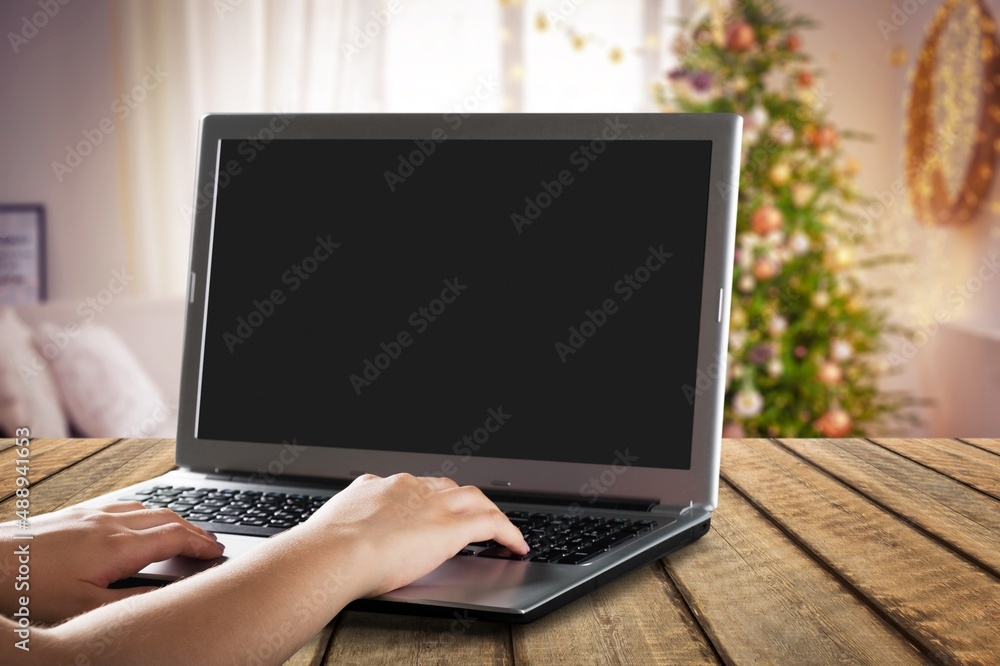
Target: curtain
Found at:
x=176, y=60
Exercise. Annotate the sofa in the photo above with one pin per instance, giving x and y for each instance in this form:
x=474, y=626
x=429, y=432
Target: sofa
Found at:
x=91, y=368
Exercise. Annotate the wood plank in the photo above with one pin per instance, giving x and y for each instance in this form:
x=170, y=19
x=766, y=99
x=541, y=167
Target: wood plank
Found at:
x=943, y=602
x=748, y=584
x=6, y=443
x=637, y=619
x=312, y=653
x=124, y=463
x=965, y=519
x=973, y=467
x=373, y=638
x=991, y=445
x=47, y=457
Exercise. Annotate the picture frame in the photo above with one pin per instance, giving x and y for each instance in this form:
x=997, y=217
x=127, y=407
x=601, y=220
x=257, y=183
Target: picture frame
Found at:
x=22, y=254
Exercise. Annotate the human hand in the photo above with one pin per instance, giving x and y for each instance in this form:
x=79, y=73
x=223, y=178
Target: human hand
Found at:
x=76, y=553
x=403, y=527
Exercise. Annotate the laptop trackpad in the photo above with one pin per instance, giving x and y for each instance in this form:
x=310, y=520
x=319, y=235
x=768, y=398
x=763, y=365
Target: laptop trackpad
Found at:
x=181, y=567
x=460, y=579
x=486, y=583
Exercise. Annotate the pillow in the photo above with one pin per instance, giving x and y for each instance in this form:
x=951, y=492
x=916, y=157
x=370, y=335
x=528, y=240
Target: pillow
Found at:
x=106, y=391
x=28, y=394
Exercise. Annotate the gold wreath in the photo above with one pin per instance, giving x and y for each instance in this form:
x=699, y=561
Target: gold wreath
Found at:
x=928, y=191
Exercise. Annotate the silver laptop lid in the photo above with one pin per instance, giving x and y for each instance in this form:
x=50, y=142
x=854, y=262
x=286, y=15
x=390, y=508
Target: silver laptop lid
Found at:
x=529, y=303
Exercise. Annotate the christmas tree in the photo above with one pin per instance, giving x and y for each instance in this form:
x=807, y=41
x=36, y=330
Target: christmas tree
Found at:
x=807, y=340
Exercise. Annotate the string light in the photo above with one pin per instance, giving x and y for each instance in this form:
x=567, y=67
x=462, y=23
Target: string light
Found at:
x=949, y=70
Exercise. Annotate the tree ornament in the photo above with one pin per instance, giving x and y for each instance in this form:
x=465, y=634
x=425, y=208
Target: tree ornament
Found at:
x=821, y=299
x=749, y=402
x=780, y=174
x=761, y=354
x=701, y=81
x=775, y=368
x=793, y=43
x=765, y=268
x=756, y=119
x=802, y=194
x=805, y=78
x=822, y=137
x=834, y=423
x=840, y=349
x=799, y=243
x=746, y=283
x=829, y=373
x=766, y=219
x=777, y=326
x=739, y=85
x=740, y=37
x=783, y=133
x=839, y=258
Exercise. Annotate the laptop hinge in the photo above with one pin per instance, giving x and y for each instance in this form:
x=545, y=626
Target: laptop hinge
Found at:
x=287, y=480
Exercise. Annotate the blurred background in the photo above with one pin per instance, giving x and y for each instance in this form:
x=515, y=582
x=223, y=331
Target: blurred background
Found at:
x=101, y=101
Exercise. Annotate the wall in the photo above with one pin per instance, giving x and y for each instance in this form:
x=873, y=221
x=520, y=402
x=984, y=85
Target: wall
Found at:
x=56, y=86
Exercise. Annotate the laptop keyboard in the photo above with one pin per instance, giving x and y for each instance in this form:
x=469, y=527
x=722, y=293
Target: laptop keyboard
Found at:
x=563, y=538
x=555, y=538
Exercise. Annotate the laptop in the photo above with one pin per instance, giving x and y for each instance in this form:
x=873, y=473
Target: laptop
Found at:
x=534, y=304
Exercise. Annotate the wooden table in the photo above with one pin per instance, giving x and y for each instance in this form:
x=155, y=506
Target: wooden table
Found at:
x=874, y=551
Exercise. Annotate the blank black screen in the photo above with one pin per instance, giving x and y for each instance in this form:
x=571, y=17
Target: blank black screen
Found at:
x=324, y=251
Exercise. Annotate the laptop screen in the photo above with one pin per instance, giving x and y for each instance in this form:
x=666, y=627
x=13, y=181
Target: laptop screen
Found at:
x=527, y=299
